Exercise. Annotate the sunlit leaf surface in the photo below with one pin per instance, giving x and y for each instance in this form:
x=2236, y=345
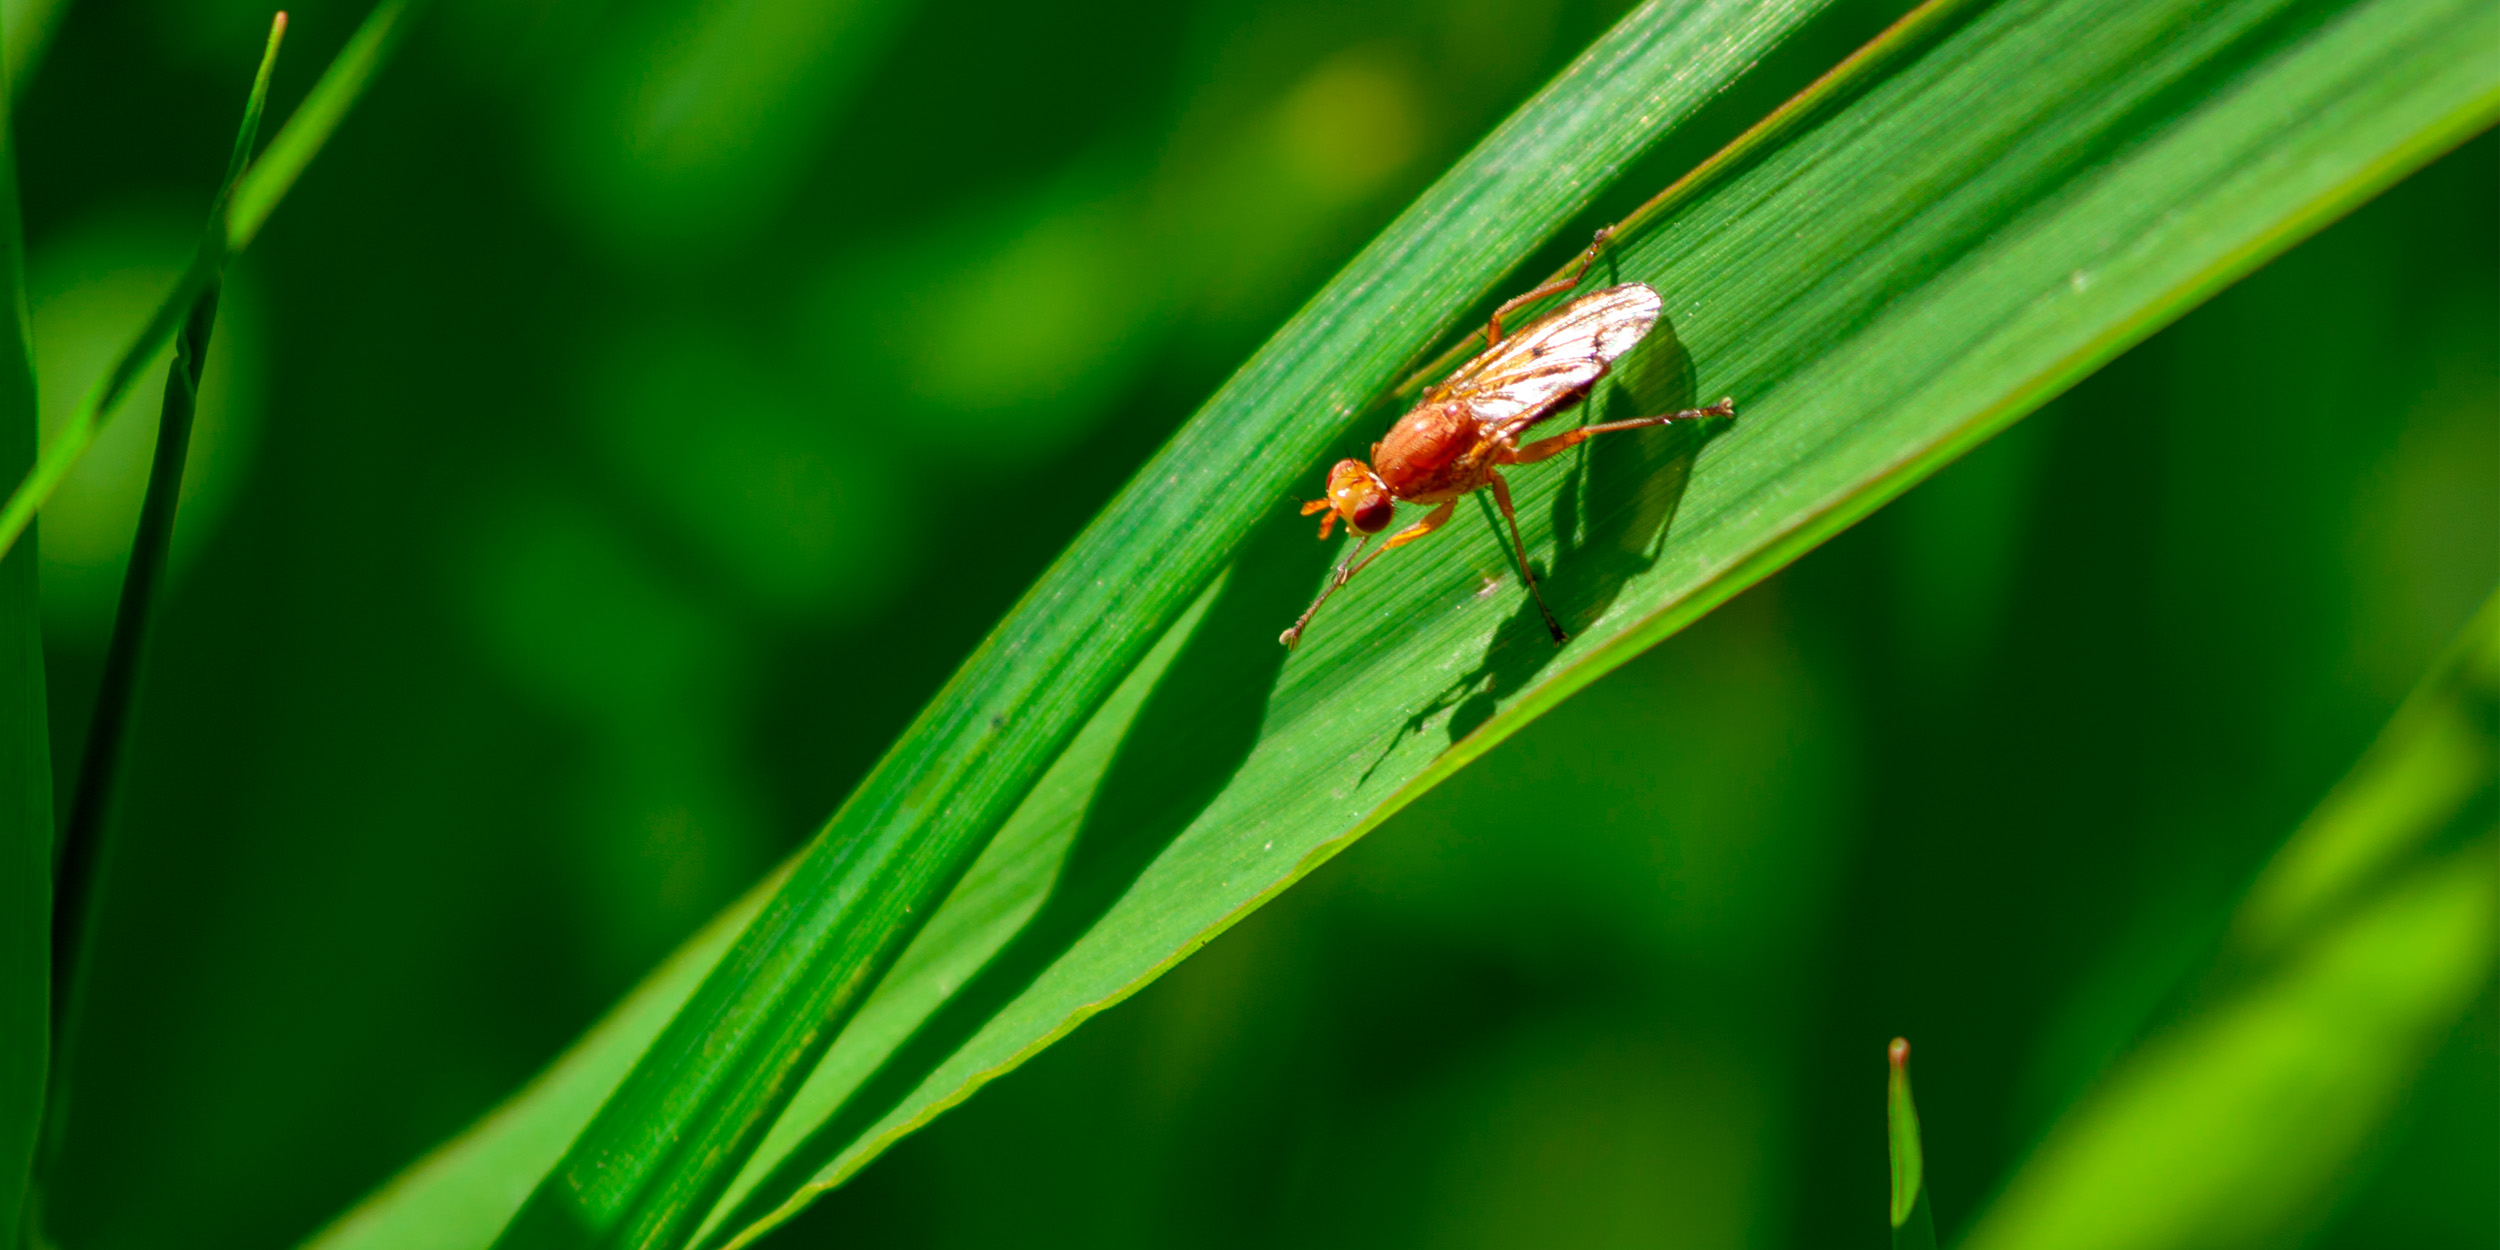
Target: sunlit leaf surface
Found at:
x=1964, y=231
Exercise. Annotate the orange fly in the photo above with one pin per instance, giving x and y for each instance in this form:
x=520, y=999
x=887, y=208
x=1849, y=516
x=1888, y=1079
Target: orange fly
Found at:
x=1455, y=441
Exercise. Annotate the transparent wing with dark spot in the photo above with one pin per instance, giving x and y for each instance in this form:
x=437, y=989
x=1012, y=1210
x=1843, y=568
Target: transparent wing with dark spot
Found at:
x=1533, y=368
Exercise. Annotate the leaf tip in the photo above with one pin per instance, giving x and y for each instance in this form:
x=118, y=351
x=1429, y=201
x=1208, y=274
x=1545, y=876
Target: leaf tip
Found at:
x=1901, y=1115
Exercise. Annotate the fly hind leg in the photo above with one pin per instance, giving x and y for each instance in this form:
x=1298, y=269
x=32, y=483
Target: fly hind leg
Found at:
x=1544, y=448
x=1493, y=332
x=1501, y=497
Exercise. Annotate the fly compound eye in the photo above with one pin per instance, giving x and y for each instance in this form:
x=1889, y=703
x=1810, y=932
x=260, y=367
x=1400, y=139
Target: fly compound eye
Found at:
x=1372, y=515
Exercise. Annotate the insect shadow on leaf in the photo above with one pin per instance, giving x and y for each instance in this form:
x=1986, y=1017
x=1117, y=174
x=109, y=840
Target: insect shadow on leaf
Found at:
x=1464, y=429
x=1611, y=513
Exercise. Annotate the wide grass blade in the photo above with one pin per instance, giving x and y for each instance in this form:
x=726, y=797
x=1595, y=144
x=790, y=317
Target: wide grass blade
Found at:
x=25, y=742
x=238, y=220
x=650, y=1165
x=2363, y=943
x=1949, y=237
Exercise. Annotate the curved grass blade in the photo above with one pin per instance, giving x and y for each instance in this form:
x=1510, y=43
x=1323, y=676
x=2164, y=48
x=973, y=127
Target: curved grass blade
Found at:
x=1913, y=1223
x=2045, y=186
x=2361, y=945
x=355, y=67
x=82, y=836
x=26, y=28
x=463, y=1194
x=649, y=1167
x=236, y=220
x=1882, y=286
x=25, y=742
x=1916, y=32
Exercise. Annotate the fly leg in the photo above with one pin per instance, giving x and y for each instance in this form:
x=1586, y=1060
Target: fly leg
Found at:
x=1346, y=571
x=1501, y=497
x=1545, y=447
x=1493, y=332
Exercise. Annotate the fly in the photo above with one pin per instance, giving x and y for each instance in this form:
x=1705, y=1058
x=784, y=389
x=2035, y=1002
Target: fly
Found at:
x=1466, y=429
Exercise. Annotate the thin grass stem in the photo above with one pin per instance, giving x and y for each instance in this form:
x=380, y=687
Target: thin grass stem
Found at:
x=241, y=211
x=143, y=580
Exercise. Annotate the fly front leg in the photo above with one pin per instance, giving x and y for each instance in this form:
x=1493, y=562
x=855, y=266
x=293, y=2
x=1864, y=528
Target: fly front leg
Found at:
x=1433, y=520
x=1545, y=448
x=1493, y=332
x=1346, y=571
x=1501, y=497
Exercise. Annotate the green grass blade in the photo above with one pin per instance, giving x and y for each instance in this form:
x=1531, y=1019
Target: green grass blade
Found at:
x=317, y=118
x=82, y=835
x=26, y=26
x=2431, y=762
x=2361, y=945
x=463, y=1193
x=150, y=547
x=1913, y=1222
x=25, y=742
x=264, y=183
x=78, y=433
x=1882, y=284
x=255, y=103
x=649, y=1167
x=2045, y=187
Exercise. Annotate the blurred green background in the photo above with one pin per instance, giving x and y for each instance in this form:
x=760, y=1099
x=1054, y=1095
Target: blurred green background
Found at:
x=645, y=404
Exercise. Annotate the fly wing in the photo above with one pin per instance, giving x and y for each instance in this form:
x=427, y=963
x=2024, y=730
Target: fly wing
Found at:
x=1528, y=372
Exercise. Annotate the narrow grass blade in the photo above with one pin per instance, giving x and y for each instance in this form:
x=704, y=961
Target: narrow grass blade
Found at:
x=317, y=118
x=2434, y=759
x=462, y=1194
x=26, y=27
x=238, y=220
x=648, y=1169
x=2361, y=945
x=255, y=104
x=1913, y=1223
x=82, y=836
x=25, y=742
x=1883, y=281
